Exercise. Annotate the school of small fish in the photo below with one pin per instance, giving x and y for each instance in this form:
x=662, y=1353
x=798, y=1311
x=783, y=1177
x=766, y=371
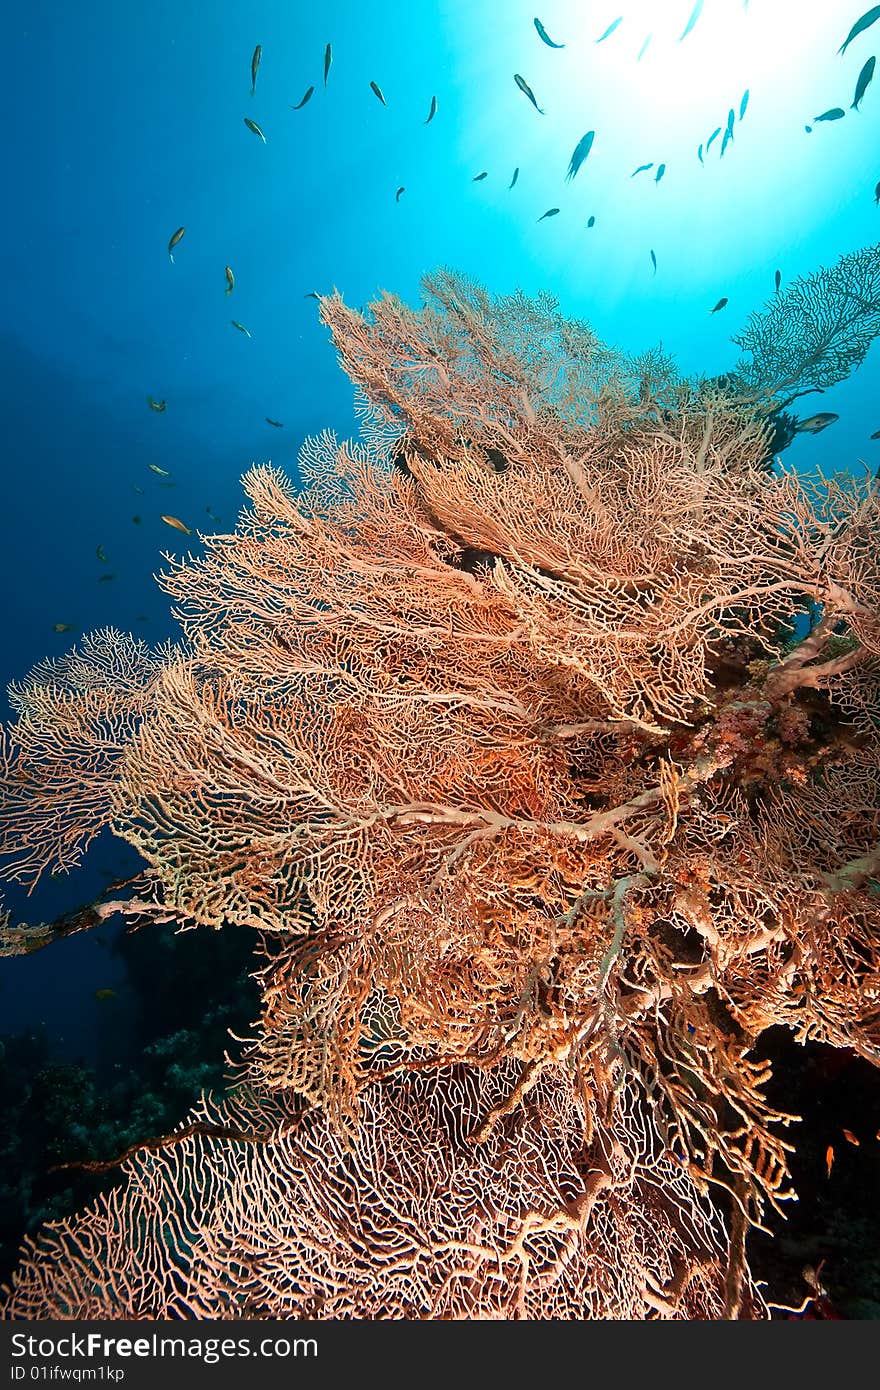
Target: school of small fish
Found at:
x=814, y=424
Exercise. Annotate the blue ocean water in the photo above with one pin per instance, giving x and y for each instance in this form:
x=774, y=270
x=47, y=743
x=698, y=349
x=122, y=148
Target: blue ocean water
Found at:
x=124, y=122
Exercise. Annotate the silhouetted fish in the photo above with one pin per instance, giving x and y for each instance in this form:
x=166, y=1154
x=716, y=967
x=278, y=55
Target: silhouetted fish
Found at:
x=591, y=221
x=328, y=59
x=641, y=169
x=611, y=28
x=868, y=18
x=581, y=150
x=720, y=305
x=173, y=242
x=252, y=125
x=654, y=262
x=835, y=114
x=542, y=34
x=303, y=100
x=375, y=88
x=516, y=176
x=714, y=136
x=527, y=91
x=479, y=177
x=255, y=64
x=695, y=15
x=433, y=111
x=643, y=48
x=551, y=212
x=865, y=76
x=661, y=170
x=400, y=190
x=744, y=103
x=778, y=280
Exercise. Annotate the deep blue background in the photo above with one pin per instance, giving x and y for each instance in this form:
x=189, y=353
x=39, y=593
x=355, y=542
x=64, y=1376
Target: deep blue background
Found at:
x=122, y=121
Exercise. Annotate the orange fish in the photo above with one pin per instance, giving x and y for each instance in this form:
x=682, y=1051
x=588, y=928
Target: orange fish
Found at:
x=178, y=525
x=829, y=1159
x=850, y=1137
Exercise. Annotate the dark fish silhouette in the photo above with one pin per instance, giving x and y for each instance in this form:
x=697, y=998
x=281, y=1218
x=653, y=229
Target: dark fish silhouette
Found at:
x=610, y=30
x=173, y=242
x=654, y=262
x=641, y=169
x=306, y=98
x=374, y=87
x=542, y=34
x=400, y=190
x=591, y=221
x=277, y=423
x=240, y=326
x=230, y=280
x=877, y=195
x=433, y=111
x=252, y=125
x=478, y=177
x=720, y=305
x=835, y=114
x=158, y=406
x=875, y=435
x=865, y=76
x=516, y=176
x=816, y=423
x=661, y=170
x=328, y=59
x=868, y=18
x=526, y=89
x=695, y=15
x=744, y=103
x=255, y=64
x=581, y=150
x=551, y=212
x=714, y=136
x=777, y=279
x=700, y=154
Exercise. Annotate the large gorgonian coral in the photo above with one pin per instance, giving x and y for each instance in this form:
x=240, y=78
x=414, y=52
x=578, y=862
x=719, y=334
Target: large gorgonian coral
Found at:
x=501, y=733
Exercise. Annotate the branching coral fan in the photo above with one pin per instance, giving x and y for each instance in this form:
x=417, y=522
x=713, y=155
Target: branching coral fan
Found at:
x=537, y=738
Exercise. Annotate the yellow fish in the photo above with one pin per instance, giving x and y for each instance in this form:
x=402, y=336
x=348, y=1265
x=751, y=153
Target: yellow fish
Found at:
x=178, y=525
x=163, y=472
x=105, y=993
x=155, y=405
x=240, y=326
x=255, y=63
x=63, y=627
x=230, y=281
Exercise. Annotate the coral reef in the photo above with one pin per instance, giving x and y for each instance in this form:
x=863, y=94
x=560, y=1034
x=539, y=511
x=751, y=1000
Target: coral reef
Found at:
x=537, y=738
